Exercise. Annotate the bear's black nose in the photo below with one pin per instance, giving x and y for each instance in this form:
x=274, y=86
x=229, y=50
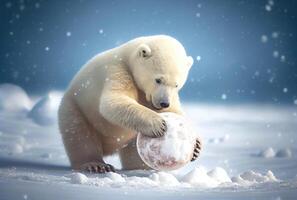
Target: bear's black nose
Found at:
x=164, y=104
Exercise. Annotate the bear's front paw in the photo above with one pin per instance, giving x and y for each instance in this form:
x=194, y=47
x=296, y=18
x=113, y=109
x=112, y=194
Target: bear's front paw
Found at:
x=160, y=129
x=97, y=167
x=156, y=128
x=197, y=149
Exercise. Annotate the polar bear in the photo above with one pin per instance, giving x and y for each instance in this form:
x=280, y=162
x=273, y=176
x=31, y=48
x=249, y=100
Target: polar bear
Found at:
x=119, y=93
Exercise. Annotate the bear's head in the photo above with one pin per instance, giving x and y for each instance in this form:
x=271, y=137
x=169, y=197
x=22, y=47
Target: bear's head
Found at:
x=160, y=67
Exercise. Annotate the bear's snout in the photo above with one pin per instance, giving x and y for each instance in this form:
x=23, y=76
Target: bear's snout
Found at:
x=164, y=104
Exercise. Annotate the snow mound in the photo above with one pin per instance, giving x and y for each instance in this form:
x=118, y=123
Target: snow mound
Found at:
x=251, y=177
x=267, y=153
x=163, y=178
x=115, y=177
x=218, y=140
x=13, y=98
x=78, y=178
x=284, y=153
x=15, y=148
x=271, y=153
x=200, y=177
x=219, y=174
x=45, y=110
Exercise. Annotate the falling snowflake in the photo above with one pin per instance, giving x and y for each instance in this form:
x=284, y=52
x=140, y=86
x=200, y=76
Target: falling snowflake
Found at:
x=274, y=35
x=285, y=90
x=283, y=58
x=198, y=15
x=275, y=54
x=22, y=7
x=268, y=8
x=224, y=97
x=8, y=5
x=264, y=38
x=47, y=48
x=295, y=101
x=271, y=2
x=198, y=58
x=37, y=5
x=101, y=31
x=68, y=34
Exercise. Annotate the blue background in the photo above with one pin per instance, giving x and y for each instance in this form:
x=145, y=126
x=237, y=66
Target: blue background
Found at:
x=44, y=43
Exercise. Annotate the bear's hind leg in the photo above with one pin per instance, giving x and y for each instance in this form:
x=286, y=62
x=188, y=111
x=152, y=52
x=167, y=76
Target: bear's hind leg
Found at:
x=82, y=142
x=130, y=159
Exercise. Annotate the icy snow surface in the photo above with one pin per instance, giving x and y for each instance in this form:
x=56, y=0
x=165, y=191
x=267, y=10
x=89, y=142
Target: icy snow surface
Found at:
x=33, y=164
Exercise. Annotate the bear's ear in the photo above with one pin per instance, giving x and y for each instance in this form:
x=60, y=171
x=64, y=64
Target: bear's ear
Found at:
x=190, y=61
x=144, y=51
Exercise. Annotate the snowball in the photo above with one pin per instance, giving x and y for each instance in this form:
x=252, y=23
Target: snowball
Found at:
x=267, y=153
x=164, y=178
x=13, y=98
x=171, y=151
x=78, y=178
x=284, y=153
x=45, y=110
x=219, y=174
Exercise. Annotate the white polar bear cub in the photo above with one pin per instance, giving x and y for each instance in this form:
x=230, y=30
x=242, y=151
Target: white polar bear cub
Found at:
x=118, y=93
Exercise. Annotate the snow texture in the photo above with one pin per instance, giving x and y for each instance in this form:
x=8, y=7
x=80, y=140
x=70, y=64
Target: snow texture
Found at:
x=33, y=160
x=173, y=150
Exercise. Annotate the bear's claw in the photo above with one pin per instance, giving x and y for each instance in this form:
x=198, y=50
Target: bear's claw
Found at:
x=162, y=129
x=197, y=150
x=97, y=167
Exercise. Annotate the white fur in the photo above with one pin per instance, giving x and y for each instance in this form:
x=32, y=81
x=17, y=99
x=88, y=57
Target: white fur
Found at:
x=115, y=95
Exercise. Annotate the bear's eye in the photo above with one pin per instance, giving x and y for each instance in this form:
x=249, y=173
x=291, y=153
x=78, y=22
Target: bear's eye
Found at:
x=158, y=81
x=176, y=85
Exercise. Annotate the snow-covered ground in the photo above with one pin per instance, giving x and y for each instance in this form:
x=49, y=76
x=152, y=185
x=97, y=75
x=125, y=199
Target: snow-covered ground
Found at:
x=249, y=152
